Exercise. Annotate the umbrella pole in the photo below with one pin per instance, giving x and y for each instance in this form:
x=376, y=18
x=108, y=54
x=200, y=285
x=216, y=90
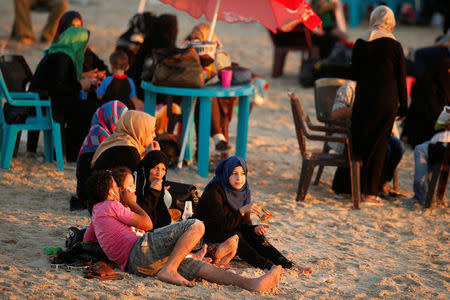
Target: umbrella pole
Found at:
x=141, y=6
x=214, y=20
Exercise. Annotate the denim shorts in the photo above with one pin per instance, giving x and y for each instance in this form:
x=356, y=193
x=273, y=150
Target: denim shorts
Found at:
x=151, y=251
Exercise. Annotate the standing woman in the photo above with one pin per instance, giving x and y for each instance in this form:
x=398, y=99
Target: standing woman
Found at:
x=225, y=207
x=378, y=67
x=58, y=77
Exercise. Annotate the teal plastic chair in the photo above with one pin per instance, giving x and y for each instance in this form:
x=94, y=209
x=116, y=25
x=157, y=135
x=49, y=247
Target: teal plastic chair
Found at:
x=42, y=121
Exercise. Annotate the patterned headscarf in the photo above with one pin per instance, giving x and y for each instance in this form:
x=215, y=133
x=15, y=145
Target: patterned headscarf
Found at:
x=235, y=198
x=102, y=125
x=72, y=42
x=381, y=24
x=65, y=22
x=135, y=128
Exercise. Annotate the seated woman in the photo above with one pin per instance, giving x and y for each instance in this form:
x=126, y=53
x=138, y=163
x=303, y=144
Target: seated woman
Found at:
x=225, y=207
x=102, y=126
x=58, y=77
x=151, y=177
x=128, y=144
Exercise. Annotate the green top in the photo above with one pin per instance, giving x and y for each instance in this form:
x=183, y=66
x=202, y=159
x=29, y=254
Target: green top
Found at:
x=72, y=42
x=326, y=17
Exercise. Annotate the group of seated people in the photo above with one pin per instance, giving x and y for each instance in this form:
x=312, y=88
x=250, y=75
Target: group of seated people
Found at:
x=126, y=189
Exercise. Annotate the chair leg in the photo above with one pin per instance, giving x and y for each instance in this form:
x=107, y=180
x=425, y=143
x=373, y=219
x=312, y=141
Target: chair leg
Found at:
x=395, y=180
x=278, y=62
x=355, y=175
x=57, y=143
x=305, y=180
x=326, y=149
x=432, y=185
x=8, y=144
x=442, y=186
x=48, y=146
x=16, y=147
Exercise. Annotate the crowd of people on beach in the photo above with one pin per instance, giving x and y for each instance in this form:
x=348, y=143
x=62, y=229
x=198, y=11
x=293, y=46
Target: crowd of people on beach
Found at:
x=121, y=168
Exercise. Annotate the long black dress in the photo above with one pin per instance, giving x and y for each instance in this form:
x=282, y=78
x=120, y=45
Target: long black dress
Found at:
x=379, y=70
x=222, y=222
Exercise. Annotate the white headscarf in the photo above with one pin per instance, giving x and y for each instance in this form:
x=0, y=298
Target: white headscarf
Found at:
x=381, y=24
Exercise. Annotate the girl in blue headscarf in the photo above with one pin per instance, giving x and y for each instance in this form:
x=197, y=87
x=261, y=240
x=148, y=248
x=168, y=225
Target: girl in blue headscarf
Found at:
x=225, y=207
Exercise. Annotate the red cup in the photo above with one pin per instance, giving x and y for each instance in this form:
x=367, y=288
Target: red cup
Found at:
x=226, y=78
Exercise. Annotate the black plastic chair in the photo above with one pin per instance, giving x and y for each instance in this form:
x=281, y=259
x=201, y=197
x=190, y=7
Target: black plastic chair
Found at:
x=299, y=39
x=310, y=160
x=441, y=172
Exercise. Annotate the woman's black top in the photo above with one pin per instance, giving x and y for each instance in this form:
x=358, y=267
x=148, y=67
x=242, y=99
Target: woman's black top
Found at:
x=118, y=156
x=153, y=203
x=55, y=78
x=219, y=218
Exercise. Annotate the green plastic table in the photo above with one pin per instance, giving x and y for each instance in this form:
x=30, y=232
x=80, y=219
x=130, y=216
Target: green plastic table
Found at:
x=244, y=92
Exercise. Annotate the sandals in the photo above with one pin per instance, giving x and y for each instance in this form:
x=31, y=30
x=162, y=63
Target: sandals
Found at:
x=102, y=271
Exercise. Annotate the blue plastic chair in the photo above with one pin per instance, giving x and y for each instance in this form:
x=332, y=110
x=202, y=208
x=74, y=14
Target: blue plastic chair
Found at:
x=42, y=121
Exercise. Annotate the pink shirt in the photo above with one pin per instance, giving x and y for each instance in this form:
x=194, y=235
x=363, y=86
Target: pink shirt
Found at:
x=109, y=226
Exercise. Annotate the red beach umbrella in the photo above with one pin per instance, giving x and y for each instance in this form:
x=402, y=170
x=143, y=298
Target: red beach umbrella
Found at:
x=275, y=15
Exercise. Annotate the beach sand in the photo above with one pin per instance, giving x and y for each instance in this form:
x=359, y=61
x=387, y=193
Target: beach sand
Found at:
x=376, y=252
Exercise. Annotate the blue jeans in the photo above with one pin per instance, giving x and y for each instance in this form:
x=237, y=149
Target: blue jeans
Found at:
x=422, y=170
x=394, y=154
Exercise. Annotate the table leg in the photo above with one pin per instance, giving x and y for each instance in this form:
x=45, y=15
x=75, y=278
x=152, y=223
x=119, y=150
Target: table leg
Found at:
x=242, y=128
x=150, y=103
x=204, y=132
x=187, y=106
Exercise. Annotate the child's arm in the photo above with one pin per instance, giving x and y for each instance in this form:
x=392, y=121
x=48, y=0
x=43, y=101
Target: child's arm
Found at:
x=101, y=90
x=140, y=218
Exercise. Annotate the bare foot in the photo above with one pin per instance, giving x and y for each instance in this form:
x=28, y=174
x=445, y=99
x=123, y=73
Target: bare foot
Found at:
x=226, y=251
x=173, y=278
x=303, y=269
x=200, y=254
x=268, y=280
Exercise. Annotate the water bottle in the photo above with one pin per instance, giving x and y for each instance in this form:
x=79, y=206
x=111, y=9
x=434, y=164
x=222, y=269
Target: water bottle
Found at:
x=51, y=250
x=187, y=210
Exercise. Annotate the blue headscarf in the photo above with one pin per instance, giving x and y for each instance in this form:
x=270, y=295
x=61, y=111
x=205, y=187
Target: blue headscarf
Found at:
x=235, y=198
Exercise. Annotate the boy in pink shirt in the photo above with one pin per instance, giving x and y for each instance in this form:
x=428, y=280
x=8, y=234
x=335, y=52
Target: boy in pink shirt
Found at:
x=163, y=252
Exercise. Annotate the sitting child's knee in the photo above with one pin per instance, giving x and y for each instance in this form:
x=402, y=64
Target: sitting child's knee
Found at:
x=198, y=225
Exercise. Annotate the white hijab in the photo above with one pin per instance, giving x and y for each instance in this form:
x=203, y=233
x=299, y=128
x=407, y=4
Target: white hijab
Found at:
x=381, y=24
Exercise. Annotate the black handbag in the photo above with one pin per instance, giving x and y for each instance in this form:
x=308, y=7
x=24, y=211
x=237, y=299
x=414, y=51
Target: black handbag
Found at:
x=182, y=192
x=15, y=114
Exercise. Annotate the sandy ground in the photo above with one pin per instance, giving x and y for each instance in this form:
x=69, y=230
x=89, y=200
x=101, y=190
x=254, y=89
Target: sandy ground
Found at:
x=375, y=252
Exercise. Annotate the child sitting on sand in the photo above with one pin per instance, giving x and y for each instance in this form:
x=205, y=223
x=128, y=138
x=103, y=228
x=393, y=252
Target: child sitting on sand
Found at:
x=162, y=252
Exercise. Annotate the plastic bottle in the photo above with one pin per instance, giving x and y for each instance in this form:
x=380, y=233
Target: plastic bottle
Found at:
x=51, y=250
x=187, y=210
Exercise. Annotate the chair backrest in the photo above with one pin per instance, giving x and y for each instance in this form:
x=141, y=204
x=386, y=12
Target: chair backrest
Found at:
x=299, y=37
x=16, y=72
x=324, y=94
x=300, y=126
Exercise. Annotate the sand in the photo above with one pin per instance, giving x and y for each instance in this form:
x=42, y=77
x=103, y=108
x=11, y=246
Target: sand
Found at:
x=375, y=252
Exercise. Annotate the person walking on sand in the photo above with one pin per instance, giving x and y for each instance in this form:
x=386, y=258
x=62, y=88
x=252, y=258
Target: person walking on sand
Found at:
x=163, y=252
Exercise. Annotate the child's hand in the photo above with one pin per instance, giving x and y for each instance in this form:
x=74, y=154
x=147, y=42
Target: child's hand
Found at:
x=250, y=208
x=261, y=229
x=156, y=184
x=154, y=145
x=127, y=198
